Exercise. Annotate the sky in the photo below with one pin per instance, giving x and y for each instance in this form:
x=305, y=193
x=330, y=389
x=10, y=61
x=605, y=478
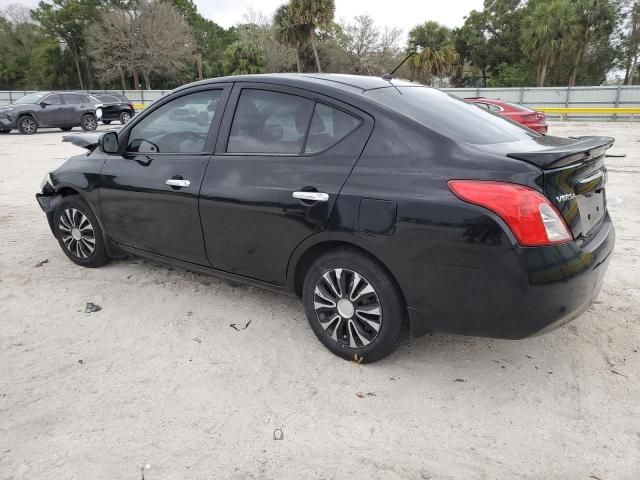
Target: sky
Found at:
x=393, y=13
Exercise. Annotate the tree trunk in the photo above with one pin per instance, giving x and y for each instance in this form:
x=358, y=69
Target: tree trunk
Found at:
x=298, y=63
x=632, y=52
x=89, y=74
x=199, y=59
x=74, y=54
x=542, y=72
x=123, y=79
x=484, y=77
x=576, y=64
x=136, y=80
x=315, y=50
x=147, y=83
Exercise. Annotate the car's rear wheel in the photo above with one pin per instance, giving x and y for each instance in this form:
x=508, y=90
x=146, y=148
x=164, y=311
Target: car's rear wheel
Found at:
x=89, y=122
x=5, y=130
x=27, y=126
x=79, y=233
x=125, y=117
x=65, y=129
x=106, y=122
x=353, y=305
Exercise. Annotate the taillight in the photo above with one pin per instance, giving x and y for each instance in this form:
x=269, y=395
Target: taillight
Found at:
x=529, y=215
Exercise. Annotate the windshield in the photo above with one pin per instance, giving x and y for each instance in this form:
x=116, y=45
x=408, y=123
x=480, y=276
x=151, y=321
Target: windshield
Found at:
x=450, y=116
x=32, y=98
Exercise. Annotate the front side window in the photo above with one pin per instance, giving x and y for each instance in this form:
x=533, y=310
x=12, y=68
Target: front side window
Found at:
x=54, y=100
x=179, y=126
x=328, y=127
x=269, y=122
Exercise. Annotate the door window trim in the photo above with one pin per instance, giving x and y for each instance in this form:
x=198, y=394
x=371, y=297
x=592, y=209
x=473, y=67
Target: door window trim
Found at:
x=214, y=128
x=232, y=105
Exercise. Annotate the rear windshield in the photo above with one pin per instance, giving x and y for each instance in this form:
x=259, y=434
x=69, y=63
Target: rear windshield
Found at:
x=450, y=116
x=516, y=106
x=32, y=98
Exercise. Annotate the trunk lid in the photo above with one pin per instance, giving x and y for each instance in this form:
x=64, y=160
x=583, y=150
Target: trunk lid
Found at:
x=574, y=178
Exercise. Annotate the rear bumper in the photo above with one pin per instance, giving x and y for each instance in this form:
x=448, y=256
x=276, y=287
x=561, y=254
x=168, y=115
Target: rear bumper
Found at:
x=522, y=292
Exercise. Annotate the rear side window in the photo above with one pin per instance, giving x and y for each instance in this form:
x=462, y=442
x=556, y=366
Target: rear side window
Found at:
x=70, y=99
x=269, y=122
x=328, y=127
x=449, y=116
x=108, y=99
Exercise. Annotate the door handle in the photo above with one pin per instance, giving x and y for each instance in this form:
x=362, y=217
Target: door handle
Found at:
x=177, y=182
x=311, y=196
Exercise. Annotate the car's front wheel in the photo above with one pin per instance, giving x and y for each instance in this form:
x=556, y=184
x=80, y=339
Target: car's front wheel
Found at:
x=354, y=305
x=79, y=233
x=125, y=117
x=27, y=126
x=89, y=122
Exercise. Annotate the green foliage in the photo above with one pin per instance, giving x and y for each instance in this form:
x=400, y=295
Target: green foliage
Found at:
x=435, y=50
x=242, y=58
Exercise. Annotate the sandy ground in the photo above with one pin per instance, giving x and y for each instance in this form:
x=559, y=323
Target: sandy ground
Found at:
x=157, y=379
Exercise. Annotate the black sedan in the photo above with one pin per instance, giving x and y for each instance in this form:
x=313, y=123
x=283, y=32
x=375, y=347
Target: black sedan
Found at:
x=387, y=206
x=113, y=107
x=49, y=109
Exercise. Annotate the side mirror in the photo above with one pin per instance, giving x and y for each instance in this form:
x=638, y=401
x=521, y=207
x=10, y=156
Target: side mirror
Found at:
x=44, y=104
x=109, y=142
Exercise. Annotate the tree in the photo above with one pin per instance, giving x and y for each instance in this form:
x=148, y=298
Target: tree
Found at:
x=631, y=41
x=313, y=14
x=471, y=42
x=595, y=21
x=66, y=20
x=289, y=32
x=547, y=31
x=435, y=52
x=244, y=57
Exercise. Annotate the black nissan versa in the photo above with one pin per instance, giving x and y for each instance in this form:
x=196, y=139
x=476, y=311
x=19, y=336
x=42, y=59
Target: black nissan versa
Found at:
x=49, y=109
x=386, y=205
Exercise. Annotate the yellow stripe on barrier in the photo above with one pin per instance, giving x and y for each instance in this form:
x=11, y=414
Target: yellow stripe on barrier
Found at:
x=138, y=106
x=591, y=110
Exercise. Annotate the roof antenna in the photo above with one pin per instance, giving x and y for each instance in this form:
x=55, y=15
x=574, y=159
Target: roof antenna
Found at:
x=389, y=76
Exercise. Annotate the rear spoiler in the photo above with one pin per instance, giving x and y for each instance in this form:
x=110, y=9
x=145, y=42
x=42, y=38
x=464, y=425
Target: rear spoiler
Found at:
x=582, y=148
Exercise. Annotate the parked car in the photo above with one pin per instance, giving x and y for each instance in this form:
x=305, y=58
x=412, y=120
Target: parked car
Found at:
x=533, y=119
x=385, y=205
x=114, y=107
x=49, y=109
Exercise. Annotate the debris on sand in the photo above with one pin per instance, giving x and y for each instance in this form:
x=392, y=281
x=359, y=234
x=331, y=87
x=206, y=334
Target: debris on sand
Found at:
x=197, y=339
x=92, y=307
x=235, y=327
x=39, y=264
x=278, y=434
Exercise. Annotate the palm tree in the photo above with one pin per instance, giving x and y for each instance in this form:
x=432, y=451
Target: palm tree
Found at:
x=595, y=20
x=434, y=48
x=313, y=14
x=289, y=32
x=547, y=32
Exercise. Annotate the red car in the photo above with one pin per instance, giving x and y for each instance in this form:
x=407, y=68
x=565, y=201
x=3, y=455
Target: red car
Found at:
x=536, y=121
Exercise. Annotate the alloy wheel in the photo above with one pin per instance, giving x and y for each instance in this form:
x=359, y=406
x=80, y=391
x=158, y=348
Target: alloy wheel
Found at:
x=124, y=118
x=77, y=233
x=90, y=122
x=347, y=307
x=27, y=125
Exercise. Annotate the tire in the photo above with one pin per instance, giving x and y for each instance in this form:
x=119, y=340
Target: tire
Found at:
x=125, y=117
x=27, y=125
x=89, y=122
x=378, y=313
x=66, y=129
x=106, y=122
x=5, y=130
x=78, y=232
